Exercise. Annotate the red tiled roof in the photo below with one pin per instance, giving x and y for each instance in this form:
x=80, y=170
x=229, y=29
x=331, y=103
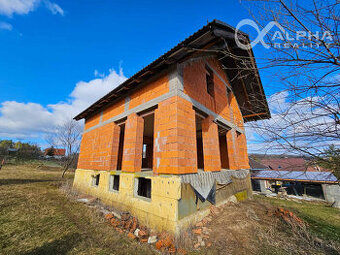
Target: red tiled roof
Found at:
x=56, y=152
x=291, y=164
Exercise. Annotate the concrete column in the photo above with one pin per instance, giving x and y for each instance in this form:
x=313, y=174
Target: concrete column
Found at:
x=211, y=150
x=331, y=192
x=263, y=187
x=133, y=144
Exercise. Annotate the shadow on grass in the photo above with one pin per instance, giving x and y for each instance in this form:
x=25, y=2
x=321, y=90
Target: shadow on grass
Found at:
x=60, y=246
x=20, y=181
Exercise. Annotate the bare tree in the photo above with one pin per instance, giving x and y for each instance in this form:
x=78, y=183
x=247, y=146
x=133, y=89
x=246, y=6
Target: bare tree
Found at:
x=302, y=51
x=67, y=136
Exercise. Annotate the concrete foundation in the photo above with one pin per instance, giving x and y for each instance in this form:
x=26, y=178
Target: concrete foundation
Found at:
x=173, y=204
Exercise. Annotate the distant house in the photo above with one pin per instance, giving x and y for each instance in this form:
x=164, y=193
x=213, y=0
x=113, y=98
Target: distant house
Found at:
x=12, y=151
x=290, y=164
x=56, y=152
x=255, y=164
x=295, y=176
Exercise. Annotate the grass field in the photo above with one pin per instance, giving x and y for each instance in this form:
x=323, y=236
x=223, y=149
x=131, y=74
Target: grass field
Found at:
x=36, y=217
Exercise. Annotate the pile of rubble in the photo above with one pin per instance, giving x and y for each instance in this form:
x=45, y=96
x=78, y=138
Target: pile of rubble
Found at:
x=126, y=223
x=201, y=231
x=197, y=237
x=288, y=216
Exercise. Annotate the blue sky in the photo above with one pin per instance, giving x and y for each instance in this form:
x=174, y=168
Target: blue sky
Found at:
x=47, y=48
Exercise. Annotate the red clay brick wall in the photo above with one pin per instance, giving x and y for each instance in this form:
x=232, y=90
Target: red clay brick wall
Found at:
x=175, y=132
x=211, y=151
x=194, y=77
x=99, y=148
x=231, y=148
x=242, y=153
x=175, y=137
x=114, y=110
x=233, y=108
x=147, y=92
x=223, y=103
x=133, y=144
x=235, y=111
x=95, y=144
x=150, y=91
x=237, y=150
x=92, y=121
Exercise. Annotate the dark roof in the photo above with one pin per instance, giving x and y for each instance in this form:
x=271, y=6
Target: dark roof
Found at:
x=246, y=85
x=255, y=164
x=290, y=164
x=324, y=177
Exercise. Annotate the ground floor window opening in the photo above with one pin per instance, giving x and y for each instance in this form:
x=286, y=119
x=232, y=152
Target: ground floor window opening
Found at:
x=114, y=182
x=143, y=187
x=95, y=180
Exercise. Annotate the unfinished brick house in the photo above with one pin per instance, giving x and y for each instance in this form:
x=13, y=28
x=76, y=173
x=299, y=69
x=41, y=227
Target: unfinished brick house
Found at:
x=170, y=141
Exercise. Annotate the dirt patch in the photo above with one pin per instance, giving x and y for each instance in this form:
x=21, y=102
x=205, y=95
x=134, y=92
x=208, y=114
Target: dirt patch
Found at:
x=234, y=227
x=254, y=227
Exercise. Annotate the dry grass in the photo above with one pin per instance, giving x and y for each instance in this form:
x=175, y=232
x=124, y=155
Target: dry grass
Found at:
x=37, y=218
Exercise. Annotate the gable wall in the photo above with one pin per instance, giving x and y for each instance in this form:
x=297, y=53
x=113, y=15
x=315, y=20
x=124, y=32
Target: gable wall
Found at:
x=223, y=104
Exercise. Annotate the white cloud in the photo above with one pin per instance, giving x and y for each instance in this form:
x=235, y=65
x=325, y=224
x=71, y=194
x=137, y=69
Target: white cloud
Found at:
x=9, y=7
x=32, y=120
x=21, y=7
x=20, y=119
x=54, y=8
x=86, y=93
x=278, y=102
x=5, y=26
x=98, y=74
x=301, y=123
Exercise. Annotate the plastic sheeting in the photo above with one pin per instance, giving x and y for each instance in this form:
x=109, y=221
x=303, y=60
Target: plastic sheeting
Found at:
x=204, y=182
